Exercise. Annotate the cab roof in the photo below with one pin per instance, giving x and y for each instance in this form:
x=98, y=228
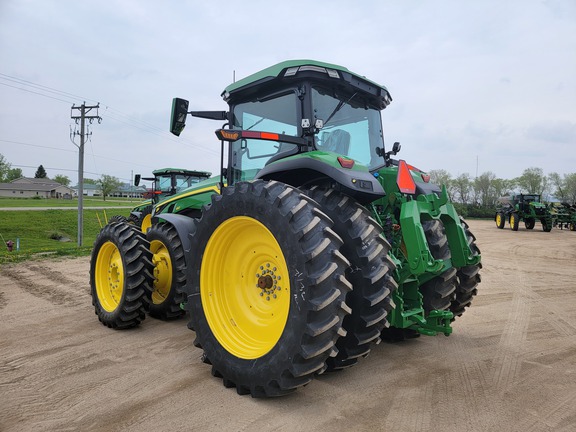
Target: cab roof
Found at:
x=182, y=171
x=291, y=68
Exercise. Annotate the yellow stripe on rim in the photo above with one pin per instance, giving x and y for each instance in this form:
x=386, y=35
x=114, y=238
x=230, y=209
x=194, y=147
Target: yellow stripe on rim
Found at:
x=109, y=277
x=244, y=287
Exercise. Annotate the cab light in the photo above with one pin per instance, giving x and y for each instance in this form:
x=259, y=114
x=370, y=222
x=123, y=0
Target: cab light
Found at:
x=225, y=135
x=345, y=162
x=404, y=179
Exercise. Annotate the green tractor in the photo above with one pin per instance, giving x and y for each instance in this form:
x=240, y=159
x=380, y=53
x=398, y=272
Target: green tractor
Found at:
x=312, y=244
x=159, y=289
x=167, y=182
x=523, y=207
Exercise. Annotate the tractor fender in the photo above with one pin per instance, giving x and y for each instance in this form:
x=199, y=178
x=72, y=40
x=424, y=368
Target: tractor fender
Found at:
x=427, y=188
x=184, y=226
x=361, y=185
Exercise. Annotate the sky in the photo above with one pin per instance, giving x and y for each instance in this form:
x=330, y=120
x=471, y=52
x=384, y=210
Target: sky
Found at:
x=477, y=86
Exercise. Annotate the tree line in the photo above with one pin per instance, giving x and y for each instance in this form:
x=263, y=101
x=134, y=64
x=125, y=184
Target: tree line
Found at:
x=478, y=196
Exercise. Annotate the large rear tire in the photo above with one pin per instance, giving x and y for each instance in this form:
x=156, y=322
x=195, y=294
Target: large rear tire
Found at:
x=370, y=272
x=267, y=288
x=120, y=276
x=169, y=272
x=439, y=291
x=468, y=277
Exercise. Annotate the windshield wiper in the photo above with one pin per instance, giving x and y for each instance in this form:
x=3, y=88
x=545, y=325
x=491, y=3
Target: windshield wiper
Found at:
x=338, y=108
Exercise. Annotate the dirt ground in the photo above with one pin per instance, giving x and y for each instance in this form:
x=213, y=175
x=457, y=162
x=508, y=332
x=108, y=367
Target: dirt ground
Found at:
x=510, y=364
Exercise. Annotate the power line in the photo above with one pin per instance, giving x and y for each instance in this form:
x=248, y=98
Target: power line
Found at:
x=30, y=91
x=36, y=145
x=56, y=169
x=41, y=87
x=110, y=112
x=75, y=151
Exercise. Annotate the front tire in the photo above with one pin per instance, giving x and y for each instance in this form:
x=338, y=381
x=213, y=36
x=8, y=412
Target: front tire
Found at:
x=514, y=221
x=120, y=276
x=267, y=288
x=530, y=223
x=370, y=272
x=169, y=272
x=500, y=220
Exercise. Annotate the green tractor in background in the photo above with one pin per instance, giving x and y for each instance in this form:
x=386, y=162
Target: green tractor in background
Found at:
x=313, y=243
x=523, y=207
x=167, y=182
x=161, y=294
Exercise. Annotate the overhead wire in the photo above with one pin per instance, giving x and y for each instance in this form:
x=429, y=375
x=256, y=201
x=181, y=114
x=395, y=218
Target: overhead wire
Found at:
x=110, y=112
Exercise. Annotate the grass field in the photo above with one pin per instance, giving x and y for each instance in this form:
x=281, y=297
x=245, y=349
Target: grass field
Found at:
x=49, y=231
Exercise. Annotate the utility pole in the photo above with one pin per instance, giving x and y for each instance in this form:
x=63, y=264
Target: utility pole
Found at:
x=84, y=110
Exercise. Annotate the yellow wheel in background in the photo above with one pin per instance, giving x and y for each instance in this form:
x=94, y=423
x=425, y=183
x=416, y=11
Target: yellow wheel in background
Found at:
x=500, y=220
x=109, y=277
x=162, y=271
x=146, y=223
x=120, y=275
x=169, y=271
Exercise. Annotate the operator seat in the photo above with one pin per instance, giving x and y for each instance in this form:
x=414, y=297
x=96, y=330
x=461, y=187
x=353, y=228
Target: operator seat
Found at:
x=338, y=142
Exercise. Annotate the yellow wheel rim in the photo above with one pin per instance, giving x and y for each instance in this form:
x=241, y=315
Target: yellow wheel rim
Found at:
x=146, y=223
x=162, y=271
x=512, y=220
x=109, y=277
x=498, y=219
x=244, y=287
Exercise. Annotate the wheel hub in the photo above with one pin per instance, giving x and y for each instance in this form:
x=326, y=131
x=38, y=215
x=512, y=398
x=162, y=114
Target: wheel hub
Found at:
x=268, y=281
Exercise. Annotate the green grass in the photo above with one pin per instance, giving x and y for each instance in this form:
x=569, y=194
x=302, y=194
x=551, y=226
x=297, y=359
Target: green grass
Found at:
x=88, y=202
x=39, y=232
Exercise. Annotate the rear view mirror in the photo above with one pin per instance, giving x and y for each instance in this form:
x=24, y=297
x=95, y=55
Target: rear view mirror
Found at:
x=178, y=116
x=137, y=180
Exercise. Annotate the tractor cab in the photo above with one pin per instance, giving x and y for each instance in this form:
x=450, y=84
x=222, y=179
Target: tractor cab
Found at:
x=302, y=109
x=170, y=181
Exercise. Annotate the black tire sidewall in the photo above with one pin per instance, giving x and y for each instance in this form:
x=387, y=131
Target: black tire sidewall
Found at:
x=283, y=355
x=161, y=233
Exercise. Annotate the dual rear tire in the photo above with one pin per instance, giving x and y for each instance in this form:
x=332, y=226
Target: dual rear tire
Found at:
x=267, y=292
